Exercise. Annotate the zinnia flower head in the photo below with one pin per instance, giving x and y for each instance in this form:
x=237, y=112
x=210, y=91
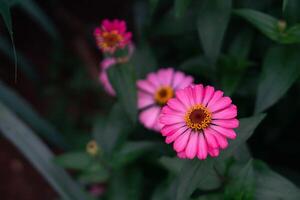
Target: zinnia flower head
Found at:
x=112, y=35
x=199, y=120
x=155, y=91
x=103, y=77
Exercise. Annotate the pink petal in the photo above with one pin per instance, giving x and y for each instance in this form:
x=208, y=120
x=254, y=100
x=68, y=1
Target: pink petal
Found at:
x=149, y=116
x=208, y=93
x=173, y=137
x=165, y=76
x=210, y=139
x=229, y=133
x=217, y=95
x=183, y=98
x=153, y=79
x=188, y=80
x=190, y=93
x=198, y=93
x=202, y=147
x=226, y=123
x=181, y=155
x=168, y=111
x=177, y=79
x=146, y=86
x=222, y=103
x=222, y=141
x=213, y=152
x=144, y=100
x=181, y=142
x=192, y=148
x=171, y=129
x=170, y=119
x=176, y=105
x=228, y=113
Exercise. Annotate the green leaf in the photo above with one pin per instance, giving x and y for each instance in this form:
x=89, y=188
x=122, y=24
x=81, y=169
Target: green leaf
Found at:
x=95, y=173
x=292, y=35
x=123, y=80
x=39, y=155
x=243, y=132
x=267, y=24
x=26, y=112
x=153, y=5
x=181, y=7
x=194, y=174
x=39, y=16
x=74, y=160
x=173, y=165
x=111, y=131
x=271, y=185
x=280, y=71
x=212, y=23
x=242, y=186
x=291, y=11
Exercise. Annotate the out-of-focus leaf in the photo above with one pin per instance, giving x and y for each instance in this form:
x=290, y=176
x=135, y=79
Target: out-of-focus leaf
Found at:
x=153, y=5
x=173, y=165
x=195, y=174
x=25, y=111
x=271, y=185
x=243, y=132
x=109, y=132
x=212, y=22
x=24, y=64
x=165, y=190
x=74, y=160
x=95, y=173
x=242, y=154
x=241, y=45
x=291, y=11
x=291, y=35
x=181, y=7
x=39, y=155
x=123, y=80
x=242, y=186
x=280, y=70
x=39, y=16
x=132, y=150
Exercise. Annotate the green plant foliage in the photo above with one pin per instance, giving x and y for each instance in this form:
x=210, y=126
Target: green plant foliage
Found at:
x=280, y=71
x=181, y=7
x=74, y=160
x=38, y=154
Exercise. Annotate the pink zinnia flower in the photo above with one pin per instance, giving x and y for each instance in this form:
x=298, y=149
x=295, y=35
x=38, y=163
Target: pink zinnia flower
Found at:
x=199, y=120
x=103, y=77
x=112, y=35
x=155, y=91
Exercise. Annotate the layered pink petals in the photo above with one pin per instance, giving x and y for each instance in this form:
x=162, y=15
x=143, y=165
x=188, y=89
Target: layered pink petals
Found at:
x=147, y=89
x=208, y=141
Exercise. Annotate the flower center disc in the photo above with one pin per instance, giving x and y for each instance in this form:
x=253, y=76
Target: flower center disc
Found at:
x=111, y=39
x=198, y=117
x=163, y=94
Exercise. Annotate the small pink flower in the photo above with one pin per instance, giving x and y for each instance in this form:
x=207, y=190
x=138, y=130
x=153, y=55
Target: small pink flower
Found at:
x=103, y=77
x=112, y=35
x=155, y=91
x=97, y=190
x=199, y=120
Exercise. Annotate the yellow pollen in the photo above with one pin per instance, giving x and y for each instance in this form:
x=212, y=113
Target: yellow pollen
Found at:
x=198, y=117
x=111, y=39
x=163, y=94
x=92, y=148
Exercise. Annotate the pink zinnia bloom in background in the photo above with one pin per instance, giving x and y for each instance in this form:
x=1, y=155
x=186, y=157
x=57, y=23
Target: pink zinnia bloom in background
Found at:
x=199, y=120
x=155, y=91
x=112, y=35
x=103, y=77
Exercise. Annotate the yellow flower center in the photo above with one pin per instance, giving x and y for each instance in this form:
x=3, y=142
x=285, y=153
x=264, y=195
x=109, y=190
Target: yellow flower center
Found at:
x=111, y=39
x=198, y=117
x=163, y=94
x=92, y=148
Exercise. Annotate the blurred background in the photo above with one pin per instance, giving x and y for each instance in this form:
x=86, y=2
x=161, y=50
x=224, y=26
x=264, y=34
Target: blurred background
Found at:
x=57, y=75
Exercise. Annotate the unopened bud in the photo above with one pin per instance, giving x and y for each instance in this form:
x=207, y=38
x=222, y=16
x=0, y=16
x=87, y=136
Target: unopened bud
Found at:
x=281, y=24
x=92, y=148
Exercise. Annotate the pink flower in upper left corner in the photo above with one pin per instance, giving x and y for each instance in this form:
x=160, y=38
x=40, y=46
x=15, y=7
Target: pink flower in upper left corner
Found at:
x=112, y=35
x=155, y=91
x=103, y=77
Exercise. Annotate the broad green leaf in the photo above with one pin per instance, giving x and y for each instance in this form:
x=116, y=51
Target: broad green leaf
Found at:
x=74, y=160
x=39, y=16
x=212, y=23
x=194, y=174
x=181, y=7
x=243, y=132
x=291, y=35
x=271, y=185
x=26, y=112
x=267, y=24
x=39, y=155
x=291, y=11
x=95, y=173
x=130, y=151
x=241, y=45
x=24, y=64
x=123, y=80
x=173, y=165
x=242, y=185
x=109, y=132
x=280, y=70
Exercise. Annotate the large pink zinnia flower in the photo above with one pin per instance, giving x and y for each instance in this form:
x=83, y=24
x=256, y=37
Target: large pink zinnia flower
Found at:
x=112, y=35
x=105, y=64
x=199, y=120
x=155, y=91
